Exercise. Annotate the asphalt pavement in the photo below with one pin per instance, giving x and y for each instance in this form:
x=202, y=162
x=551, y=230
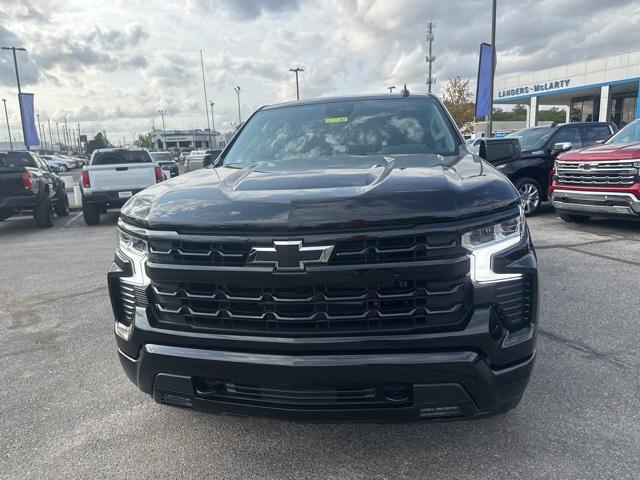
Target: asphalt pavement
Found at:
x=68, y=411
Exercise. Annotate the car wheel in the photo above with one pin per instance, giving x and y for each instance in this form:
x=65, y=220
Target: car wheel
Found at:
x=62, y=207
x=529, y=190
x=43, y=213
x=65, y=168
x=570, y=218
x=91, y=213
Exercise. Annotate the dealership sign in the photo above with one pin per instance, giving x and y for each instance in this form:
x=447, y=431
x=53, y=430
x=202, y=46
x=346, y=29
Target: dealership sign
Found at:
x=535, y=88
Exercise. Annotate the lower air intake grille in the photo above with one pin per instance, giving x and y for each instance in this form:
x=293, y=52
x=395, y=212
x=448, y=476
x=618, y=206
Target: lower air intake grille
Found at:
x=513, y=302
x=129, y=297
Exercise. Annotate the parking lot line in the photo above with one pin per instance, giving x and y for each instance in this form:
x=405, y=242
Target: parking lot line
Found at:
x=73, y=219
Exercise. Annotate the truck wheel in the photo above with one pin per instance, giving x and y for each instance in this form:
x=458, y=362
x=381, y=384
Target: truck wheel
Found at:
x=91, y=213
x=62, y=207
x=531, y=194
x=567, y=217
x=43, y=214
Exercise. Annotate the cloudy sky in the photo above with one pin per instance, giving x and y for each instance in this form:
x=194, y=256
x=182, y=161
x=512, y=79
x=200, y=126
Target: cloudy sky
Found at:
x=113, y=64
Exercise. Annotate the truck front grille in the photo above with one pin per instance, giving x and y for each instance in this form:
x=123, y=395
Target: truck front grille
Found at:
x=351, y=251
x=598, y=174
x=313, y=308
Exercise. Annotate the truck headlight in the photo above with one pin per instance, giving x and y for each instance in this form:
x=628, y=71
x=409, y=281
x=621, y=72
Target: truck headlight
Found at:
x=131, y=243
x=483, y=243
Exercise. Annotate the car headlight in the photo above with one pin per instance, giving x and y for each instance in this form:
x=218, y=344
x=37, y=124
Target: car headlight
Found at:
x=132, y=244
x=483, y=243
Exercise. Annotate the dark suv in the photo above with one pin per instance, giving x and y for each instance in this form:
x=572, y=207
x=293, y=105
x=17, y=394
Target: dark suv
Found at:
x=531, y=172
x=342, y=259
x=27, y=185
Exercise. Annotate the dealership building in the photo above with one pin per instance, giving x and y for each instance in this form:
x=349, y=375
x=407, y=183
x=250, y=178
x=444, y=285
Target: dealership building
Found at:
x=603, y=89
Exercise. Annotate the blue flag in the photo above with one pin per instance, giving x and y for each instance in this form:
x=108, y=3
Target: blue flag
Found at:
x=485, y=77
x=28, y=119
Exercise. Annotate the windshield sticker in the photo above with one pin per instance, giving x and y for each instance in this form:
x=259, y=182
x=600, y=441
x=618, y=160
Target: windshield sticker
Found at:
x=336, y=120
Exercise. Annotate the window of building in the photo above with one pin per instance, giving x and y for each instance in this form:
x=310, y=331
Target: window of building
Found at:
x=585, y=109
x=623, y=108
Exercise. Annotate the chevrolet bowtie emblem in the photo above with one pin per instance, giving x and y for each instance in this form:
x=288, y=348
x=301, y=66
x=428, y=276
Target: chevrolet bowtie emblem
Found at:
x=289, y=256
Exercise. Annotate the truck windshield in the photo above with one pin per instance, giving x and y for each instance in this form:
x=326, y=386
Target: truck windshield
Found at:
x=342, y=129
x=117, y=158
x=533, y=138
x=629, y=134
x=162, y=157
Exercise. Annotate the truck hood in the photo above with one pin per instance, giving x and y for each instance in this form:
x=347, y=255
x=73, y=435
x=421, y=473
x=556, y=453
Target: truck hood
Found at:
x=613, y=151
x=366, y=192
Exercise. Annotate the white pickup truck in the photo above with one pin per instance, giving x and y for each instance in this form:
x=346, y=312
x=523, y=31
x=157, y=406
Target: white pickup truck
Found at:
x=112, y=177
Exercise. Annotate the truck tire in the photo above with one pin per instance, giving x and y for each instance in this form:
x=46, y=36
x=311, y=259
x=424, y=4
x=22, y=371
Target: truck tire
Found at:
x=91, y=213
x=43, y=214
x=62, y=207
x=531, y=194
x=570, y=218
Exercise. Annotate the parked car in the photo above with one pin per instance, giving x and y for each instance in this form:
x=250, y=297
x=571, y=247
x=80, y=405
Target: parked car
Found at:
x=55, y=166
x=27, y=186
x=602, y=180
x=196, y=159
x=68, y=163
x=166, y=162
x=112, y=177
x=63, y=165
x=346, y=258
x=182, y=157
x=530, y=172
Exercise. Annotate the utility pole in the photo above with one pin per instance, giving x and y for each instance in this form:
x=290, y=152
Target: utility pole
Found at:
x=213, y=125
x=15, y=63
x=67, y=136
x=58, y=131
x=493, y=69
x=391, y=88
x=50, y=137
x=296, y=71
x=237, y=89
x=79, y=141
x=206, y=101
x=164, y=131
x=6, y=115
x=42, y=139
x=430, y=58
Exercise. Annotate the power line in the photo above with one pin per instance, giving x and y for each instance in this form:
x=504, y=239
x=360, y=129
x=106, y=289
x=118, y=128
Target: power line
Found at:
x=430, y=58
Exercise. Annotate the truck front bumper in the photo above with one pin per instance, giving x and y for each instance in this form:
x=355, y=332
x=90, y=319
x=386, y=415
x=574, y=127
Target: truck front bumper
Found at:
x=601, y=203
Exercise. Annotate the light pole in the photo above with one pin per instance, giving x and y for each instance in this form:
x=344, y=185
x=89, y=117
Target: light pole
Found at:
x=296, y=71
x=67, y=136
x=206, y=102
x=213, y=124
x=50, y=137
x=6, y=115
x=237, y=89
x=40, y=130
x=15, y=63
x=493, y=69
x=391, y=88
x=164, y=131
x=58, y=131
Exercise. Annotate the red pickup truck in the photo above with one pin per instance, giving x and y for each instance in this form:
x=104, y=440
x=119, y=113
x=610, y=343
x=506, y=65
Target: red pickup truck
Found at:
x=602, y=180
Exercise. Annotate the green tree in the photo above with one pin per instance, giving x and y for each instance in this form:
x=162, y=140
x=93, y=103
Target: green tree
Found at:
x=518, y=113
x=99, y=141
x=143, y=141
x=554, y=114
x=457, y=97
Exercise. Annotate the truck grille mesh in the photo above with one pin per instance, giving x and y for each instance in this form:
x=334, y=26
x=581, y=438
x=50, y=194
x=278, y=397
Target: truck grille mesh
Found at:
x=313, y=309
x=599, y=174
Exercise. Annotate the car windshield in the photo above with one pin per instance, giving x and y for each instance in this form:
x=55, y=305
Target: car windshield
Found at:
x=120, y=157
x=343, y=129
x=532, y=138
x=630, y=133
x=162, y=157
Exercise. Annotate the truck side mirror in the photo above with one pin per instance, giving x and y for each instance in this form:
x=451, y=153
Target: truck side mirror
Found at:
x=561, y=147
x=498, y=150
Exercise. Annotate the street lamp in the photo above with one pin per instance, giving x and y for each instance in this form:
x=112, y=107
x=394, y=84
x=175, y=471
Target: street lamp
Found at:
x=4, y=100
x=213, y=124
x=50, y=137
x=15, y=63
x=164, y=131
x=237, y=89
x=296, y=71
x=391, y=88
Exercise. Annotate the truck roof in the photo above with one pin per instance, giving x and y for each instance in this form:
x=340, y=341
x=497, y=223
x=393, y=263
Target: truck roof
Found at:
x=119, y=149
x=348, y=98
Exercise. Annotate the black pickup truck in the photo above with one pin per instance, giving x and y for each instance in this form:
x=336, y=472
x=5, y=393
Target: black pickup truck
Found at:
x=27, y=185
x=342, y=259
x=530, y=167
